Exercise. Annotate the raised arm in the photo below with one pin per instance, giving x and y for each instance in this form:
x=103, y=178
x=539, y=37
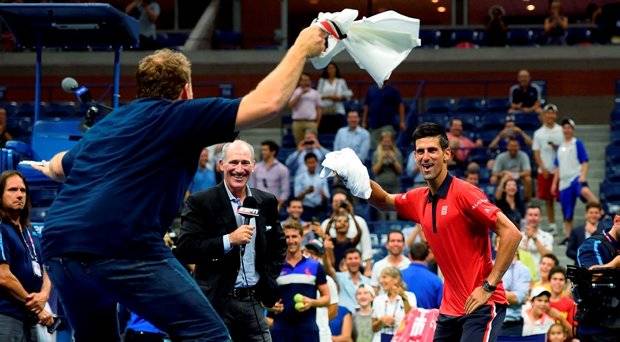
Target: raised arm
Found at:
x=379, y=198
x=273, y=92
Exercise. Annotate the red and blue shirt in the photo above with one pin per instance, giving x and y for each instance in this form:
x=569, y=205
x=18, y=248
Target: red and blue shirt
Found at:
x=456, y=223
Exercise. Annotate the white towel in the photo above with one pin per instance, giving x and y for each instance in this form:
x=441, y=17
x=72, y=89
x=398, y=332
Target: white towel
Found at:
x=350, y=169
x=377, y=44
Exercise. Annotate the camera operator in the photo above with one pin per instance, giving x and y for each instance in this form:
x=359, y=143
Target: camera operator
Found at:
x=601, y=251
x=595, y=290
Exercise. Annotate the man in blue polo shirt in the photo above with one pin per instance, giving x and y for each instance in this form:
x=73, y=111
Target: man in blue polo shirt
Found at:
x=304, y=276
x=24, y=285
x=125, y=180
x=425, y=284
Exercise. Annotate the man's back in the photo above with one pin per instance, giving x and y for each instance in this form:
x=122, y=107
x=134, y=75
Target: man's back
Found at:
x=426, y=285
x=107, y=206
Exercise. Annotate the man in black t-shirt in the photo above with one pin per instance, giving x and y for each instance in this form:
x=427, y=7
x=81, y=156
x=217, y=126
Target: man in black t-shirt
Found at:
x=525, y=96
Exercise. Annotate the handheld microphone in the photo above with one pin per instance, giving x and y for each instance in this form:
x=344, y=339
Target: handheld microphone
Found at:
x=248, y=210
x=70, y=85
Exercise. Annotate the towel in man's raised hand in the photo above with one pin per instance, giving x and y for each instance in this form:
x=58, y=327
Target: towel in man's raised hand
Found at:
x=350, y=169
x=377, y=44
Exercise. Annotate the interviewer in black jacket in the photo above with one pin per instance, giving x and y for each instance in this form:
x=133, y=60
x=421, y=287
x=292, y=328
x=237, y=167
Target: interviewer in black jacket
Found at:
x=212, y=234
x=591, y=226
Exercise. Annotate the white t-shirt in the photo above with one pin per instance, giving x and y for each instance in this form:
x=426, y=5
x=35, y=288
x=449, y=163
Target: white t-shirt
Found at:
x=541, y=140
x=378, y=267
x=382, y=306
x=364, y=246
x=337, y=88
x=529, y=245
x=322, y=316
x=540, y=326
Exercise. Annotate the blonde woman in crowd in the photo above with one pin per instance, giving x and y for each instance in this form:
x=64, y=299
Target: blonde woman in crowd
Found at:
x=390, y=307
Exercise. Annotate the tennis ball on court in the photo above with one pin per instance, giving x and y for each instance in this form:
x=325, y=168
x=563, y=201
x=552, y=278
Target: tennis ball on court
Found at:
x=299, y=306
x=298, y=298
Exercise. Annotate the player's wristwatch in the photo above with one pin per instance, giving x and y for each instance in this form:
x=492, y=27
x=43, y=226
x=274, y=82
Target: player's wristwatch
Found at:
x=488, y=287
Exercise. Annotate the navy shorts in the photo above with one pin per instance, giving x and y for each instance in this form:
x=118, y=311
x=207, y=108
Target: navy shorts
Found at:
x=483, y=325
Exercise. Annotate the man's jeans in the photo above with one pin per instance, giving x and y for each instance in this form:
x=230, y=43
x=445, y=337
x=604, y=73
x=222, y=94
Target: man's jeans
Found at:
x=161, y=291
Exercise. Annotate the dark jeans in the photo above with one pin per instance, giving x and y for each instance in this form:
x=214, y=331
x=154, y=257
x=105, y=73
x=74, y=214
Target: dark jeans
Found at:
x=512, y=328
x=161, y=291
x=14, y=330
x=481, y=325
x=245, y=319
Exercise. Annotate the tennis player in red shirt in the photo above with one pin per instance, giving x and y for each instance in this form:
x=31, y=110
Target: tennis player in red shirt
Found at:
x=456, y=217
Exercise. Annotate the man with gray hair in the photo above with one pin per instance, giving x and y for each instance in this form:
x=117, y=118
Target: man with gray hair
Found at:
x=236, y=263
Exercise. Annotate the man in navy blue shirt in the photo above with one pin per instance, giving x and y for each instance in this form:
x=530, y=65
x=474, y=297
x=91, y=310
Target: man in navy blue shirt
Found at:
x=24, y=285
x=124, y=183
x=383, y=108
x=425, y=284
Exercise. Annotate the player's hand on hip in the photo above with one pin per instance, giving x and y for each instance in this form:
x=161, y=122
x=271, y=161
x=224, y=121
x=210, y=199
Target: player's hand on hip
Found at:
x=476, y=299
x=241, y=235
x=311, y=40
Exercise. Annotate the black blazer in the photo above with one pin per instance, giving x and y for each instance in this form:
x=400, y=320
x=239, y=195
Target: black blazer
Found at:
x=577, y=237
x=207, y=216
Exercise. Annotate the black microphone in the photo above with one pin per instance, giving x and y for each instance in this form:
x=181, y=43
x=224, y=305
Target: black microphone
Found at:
x=248, y=210
x=94, y=110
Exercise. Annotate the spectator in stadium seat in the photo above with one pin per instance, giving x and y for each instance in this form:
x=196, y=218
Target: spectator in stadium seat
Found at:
x=306, y=107
x=390, y=307
x=4, y=133
x=547, y=140
x=513, y=164
x=351, y=279
x=362, y=318
x=536, y=319
x=496, y=29
x=353, y=136
x=333, y=90
x=387, y=166
x=516, y=280
x=592, y=225
x=295, y=162
x=312, y=188
x=509, y=201
x=204, y=177
x=561, y=299
x=340, y=224
x=472, y=175
x=270, y=175
x=395, y=258
x=299, y=275
x=147, y=12
x=24, y=284
x=524, y=96
x=383, y=107
x=510, y=131
x=535, y=240
x=460, y=144
x=556, y=25
x=340, y=200
x=426, y=285
x=570, y=176
x=547, y=263
x=295, y=210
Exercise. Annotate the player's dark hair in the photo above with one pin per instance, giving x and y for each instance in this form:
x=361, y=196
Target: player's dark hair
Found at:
x=431, y=129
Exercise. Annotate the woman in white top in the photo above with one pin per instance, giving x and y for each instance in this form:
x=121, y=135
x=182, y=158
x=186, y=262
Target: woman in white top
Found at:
x=333, y=90
x=390, y=307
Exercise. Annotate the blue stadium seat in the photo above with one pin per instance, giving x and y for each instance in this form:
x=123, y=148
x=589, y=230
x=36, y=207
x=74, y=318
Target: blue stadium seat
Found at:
x=610, y=191
x=487, y=136
x=11, y=108
x=51, y=136
x=579, y=35
x=492, y=121
x=439, y=105
x=469, y=105
x=353, y=105
x=331, y=123
x=441, y=119
x=21, y=150
x=288, y=141
x=520, y=37
x=61, y=109
x=480, y=156
x=327, y=140
x=527, y=121
x=284, y=153
x=614, y=138
x=498, y=105
x=542, y=84
x=612, y=173
x=430, y=38
x=612, y=155
x=406, y=183
x=463, y=36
